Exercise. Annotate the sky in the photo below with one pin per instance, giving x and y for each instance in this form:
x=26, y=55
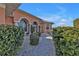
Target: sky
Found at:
x=61, y=14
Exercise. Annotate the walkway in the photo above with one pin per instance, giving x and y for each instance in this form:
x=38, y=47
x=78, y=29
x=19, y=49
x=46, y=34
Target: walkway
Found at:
x=44, y=48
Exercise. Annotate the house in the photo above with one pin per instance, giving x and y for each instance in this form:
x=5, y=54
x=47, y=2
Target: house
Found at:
x=10, y=14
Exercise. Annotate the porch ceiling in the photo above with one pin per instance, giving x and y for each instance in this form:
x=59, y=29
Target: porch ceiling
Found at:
x=10, y=7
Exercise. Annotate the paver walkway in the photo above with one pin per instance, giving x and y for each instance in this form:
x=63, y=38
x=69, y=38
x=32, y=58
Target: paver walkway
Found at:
x=44, y=48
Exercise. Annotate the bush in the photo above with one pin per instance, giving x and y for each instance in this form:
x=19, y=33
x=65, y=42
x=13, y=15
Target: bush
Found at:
x=39, y=34
x=34, y=38
x=76, y=23
x=66, y=41
x=11, y=38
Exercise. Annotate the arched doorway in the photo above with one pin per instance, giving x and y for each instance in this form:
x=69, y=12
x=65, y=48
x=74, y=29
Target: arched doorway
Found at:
x=34, y=27
x=23, y=23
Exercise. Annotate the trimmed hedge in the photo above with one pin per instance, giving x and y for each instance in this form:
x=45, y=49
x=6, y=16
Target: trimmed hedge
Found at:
x=34, y=38
x=11, y=38
x=66, y=41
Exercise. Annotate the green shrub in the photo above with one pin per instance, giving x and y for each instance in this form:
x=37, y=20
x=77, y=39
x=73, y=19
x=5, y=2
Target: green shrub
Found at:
x=66, y=41
x=34, y=38
x=39, y=33
x=11, y=38
x=76, y=22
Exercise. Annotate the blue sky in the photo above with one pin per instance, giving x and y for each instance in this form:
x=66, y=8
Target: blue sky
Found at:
x=59, y=13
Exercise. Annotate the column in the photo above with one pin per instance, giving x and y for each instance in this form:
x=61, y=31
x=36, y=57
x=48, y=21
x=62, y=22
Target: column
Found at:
x=37, y=28
x=29, y=29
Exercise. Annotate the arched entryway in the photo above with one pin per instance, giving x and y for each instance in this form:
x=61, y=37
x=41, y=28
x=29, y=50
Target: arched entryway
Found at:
x=34, y=27
x=24, y=24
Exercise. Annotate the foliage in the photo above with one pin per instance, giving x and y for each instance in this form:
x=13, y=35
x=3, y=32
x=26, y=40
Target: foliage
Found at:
x=11, y=38
x=76, y=22
x=39, y=33
x=66, y=41
x=34, y=38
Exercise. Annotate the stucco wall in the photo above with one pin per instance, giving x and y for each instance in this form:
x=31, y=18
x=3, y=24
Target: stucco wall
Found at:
x=2, y=15
x=19, y=14
x=45, y=24
x=9, y=20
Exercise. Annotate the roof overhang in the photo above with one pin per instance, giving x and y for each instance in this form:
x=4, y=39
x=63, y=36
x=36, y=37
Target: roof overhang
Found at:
x=48, y=22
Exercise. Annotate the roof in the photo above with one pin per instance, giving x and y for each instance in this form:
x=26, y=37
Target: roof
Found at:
x=48, y=22
x=36, y=17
